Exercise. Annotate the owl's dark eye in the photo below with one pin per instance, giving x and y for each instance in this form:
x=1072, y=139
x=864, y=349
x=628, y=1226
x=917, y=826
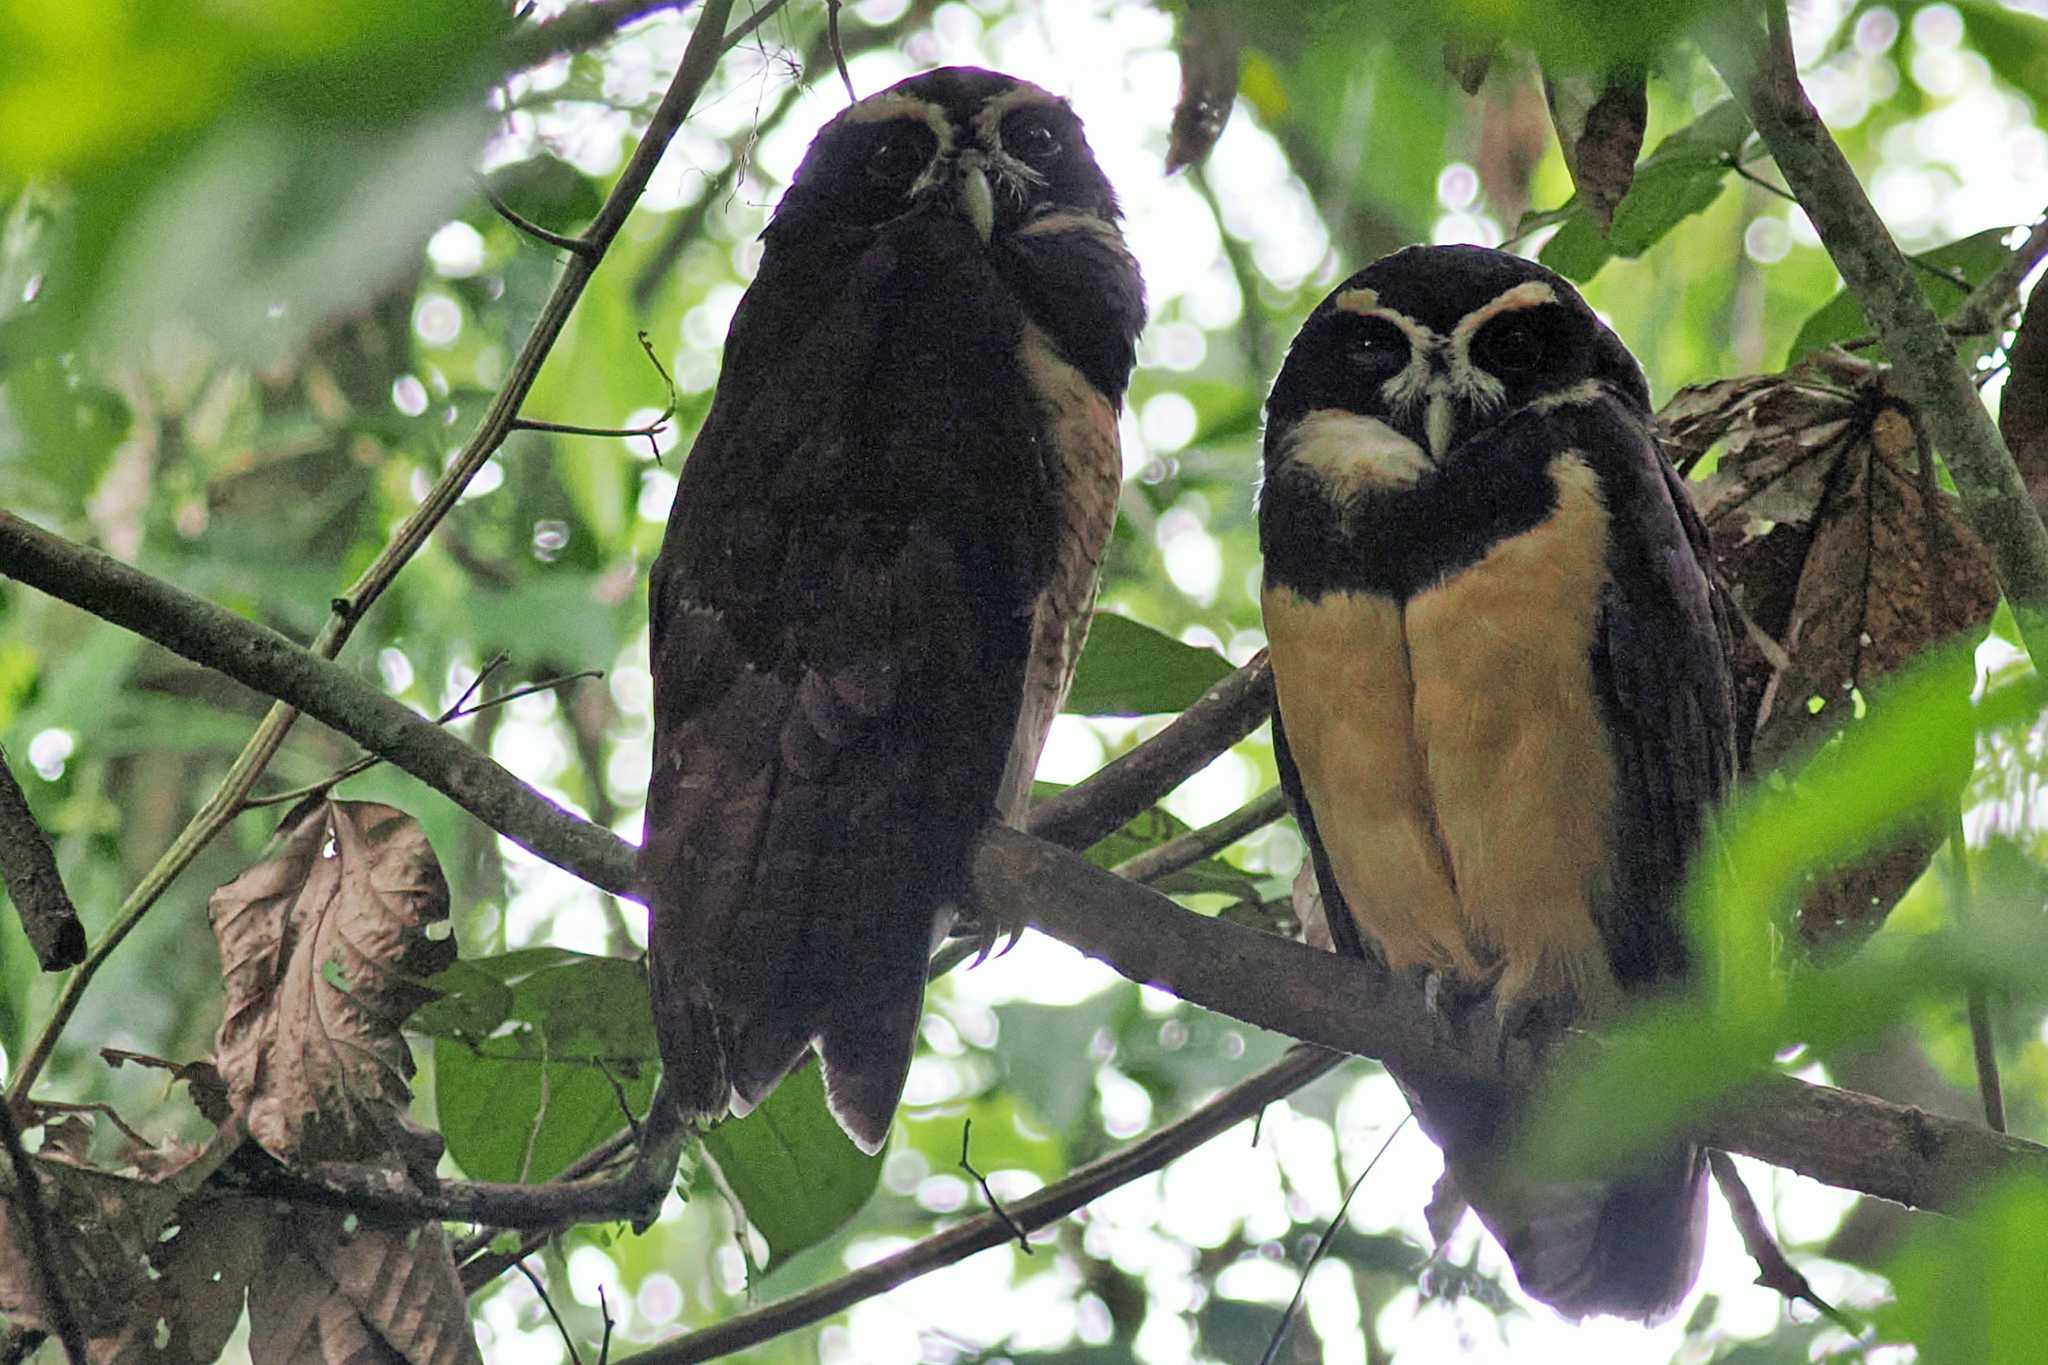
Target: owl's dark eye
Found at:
x=1514, y=347
x=1033, y=141
x=898, y=157
x=1378, y=344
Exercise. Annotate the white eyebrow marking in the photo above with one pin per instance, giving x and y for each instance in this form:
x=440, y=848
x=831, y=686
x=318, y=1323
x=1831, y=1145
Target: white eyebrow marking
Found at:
x=885, y=106
x=1475, y=384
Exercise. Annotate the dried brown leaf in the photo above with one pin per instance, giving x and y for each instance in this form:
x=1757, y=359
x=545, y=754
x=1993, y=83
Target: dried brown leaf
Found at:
x=1513, y=139
x=68, y=1137
x=1600, y=129
x=106, y=1228
x=1210, y=52
x=209, y=1092
x=1824, y=531
x=2023, y=409
x=371, y=1296
x=324, y=947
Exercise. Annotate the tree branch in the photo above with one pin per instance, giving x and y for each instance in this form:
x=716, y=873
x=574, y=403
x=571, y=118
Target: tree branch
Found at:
x=1129, y=783
x=1762, y=72
x=303, y=681
x=708, y=41
x=1300, y=1066
x=585, y=26
x=33, y=883
x=1835, y=1136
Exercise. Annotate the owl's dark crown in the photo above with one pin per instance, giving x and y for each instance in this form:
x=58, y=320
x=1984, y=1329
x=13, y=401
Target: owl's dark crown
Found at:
x=1501, y=330
x=894, y=152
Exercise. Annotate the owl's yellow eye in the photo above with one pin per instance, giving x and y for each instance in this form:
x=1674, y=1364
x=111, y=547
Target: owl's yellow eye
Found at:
x=897, y=159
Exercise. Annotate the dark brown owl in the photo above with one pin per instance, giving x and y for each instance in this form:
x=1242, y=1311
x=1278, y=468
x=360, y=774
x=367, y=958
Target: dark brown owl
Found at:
x=876, y=577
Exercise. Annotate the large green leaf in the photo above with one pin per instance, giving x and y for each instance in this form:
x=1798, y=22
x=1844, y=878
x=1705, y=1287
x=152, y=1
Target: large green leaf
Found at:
x=797, y=1176
x=1681, y=177
x=1130, y=669
x=528, y=1046
x=1974, y=258
x=1969, y=1289
x=292, y=159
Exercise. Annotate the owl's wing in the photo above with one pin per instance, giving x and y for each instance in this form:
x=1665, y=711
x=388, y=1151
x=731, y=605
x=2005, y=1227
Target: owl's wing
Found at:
x=840, y=621
x=1660, y=665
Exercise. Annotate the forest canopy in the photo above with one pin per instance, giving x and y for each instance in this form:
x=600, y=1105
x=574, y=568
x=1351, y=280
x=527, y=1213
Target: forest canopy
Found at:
x=348, y=357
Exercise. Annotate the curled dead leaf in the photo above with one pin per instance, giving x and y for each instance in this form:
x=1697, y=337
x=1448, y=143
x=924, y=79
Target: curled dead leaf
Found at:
x=1600, y=124
x=1846, y=557
x=325, y=946
x=335, y=1292
x=1210, y=50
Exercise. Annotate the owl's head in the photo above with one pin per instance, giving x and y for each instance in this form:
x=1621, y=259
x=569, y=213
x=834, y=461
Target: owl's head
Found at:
x=1000, y=152
x=1440, y=342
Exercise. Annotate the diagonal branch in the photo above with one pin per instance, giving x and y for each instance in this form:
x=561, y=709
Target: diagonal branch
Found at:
x=1762, y=72
x=1049, y=1205
x=1129, y=783
x=1835, y=1136
x=29, y=868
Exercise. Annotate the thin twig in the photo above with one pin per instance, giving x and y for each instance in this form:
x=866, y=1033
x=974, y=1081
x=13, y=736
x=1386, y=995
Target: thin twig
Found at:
x=650, y=429
x=459, y=711
x=1093, y=809
x=1961, y=897
x=538, y=1288
x=540, y=1113
x=1734, y=164
x=1322, y=1247
x=1175, y=854
x=1773, y=1271
x=532, y=229
x=995, y=1205
x=1993, y=301
x=604, y=1346
x=33, y=882
x=700, y=59
x=99, y=1107
x=838, y=51
x=1294, y=1070
x=28, y=1195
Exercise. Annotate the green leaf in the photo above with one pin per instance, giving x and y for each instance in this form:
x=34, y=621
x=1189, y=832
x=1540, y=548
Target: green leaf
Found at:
x=1680, y=178
x=293, y=158
x=1975, y=258
x=1881, y=772
x=1130, y=669
x=1004, y=1137
x=1969, y=1289
x=797, y=1176
x=527, y=1048
x=2015, y=44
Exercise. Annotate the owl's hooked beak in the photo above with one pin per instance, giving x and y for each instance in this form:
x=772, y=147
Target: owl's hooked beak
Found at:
x=976, y=200
x=1439, y=423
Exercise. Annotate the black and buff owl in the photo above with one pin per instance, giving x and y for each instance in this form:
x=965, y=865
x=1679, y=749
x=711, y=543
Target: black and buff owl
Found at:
x=876, y=578
x=1504, y=702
